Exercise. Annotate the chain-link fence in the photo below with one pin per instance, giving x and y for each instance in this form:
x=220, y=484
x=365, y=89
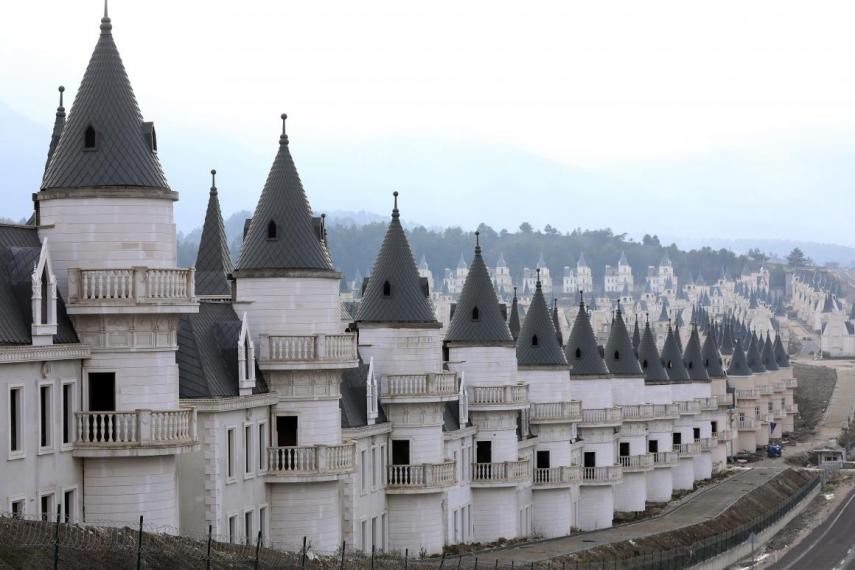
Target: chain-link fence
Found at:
x=32, y=542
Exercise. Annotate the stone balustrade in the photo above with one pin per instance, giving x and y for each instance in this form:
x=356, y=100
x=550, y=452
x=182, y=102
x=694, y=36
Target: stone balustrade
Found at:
x=311, y=460
x=315, y=349
x=606, y=474
x=767, y=418
x=689, y=407
x=765, y=390
x=723, y=435
x=421, y=477
x=709, y=404
x=130, y=286
x=601, y=417
x=687, y=449
x=647, y=412
x=791, y=408
x=746, y=424
x=747, y=394
x=637, y=463
x=791, y=383
x=133, y=432
x=440, y=385
x=484, y=398
x=665, y=459
x=725, y=400
x=779, y=387
x=551, y=477
x=500, y=473
x=556, y=412
x=707, y=443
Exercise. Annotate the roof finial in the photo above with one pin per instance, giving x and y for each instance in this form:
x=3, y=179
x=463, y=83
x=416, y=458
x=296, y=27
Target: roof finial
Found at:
x=106, y=26
x=538, y=277
x=61, y=91
x=395, y=213
x=213, y=181
x=581, y=297
x=515, y=292
x=283, y=138
x=477, y=242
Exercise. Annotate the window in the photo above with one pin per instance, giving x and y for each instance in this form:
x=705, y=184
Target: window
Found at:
x=262, y=523
x=233, y=529
x=262, y=446
x=102, y=391
x=247, y=527
x=383, y=464
x=18, y=508
x=476, y=315
x=16, y=429
x=364, y=528
x=387, y=289
x=714, y=425
x=363, y=462
x=578, y=353
x=644, y=364
x=89, y=138
x=230, y=442
x=46, y=508
x=677, y=438
x=383, y=531
x=375, y=467
x=45, y=439
x=653, y=446
x=374, y=532
x=247, y=450
x=271, y=230
x=67, y=412
x=668, y=365
x=68, y=505
x=534, y=340
x=286, y=431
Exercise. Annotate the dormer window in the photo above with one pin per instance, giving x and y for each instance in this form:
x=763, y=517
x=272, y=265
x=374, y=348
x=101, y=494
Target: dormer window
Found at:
x=271, y=230
x=691, y=364
x=476, y=315
x=617, y=355
x=578, y=353
x=89, y=138
x=668, y=365
x=387, y=289
x=534, y=340
x=644, y=364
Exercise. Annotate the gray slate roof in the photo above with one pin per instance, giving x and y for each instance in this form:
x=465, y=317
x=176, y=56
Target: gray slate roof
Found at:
x=738, y=365
x=620, y=354
x=19, y=253
x=636, y=336
x=207, y=353
x=514, y=319
x=672, y=359
x=727, y=339
x=537, y=344
x=648, y=357
x=353, y=401
x=693, y=358
x=58, y=126
x=478, y=293
x=297, y=244
x=712, y=358
x=408, y=301
x=767, y=356
x=582, y=352
x=782, y=359
x=752, y=356
x=105, y=100
x=213, y=262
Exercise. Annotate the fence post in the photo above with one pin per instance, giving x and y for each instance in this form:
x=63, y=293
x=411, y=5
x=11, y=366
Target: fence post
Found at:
x=442, y=561
x=56, y=540
x=303, y=557
x=476, y=563
x=208, y=559
x=343, y=546
x=372, y=557
x=406, y=557
x=257, y=549
x=139, y=545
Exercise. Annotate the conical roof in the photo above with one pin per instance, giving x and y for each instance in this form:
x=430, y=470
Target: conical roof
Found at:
x=620, y=353
x=636, y=336
x=282, y=235
x=672, y=359
x=477, y=317
x=58, y=126
x=122, y=151
x=394, y=293
x=712, y=358
x=582, y=262
x=727, y=339
x=537, y=344
x=648, y=357
x=677, y=335
x=213, y=262
x=752, y=356
x=768, y=355
x=693, y=358
x=556, y=324
x=738, y=364
x=514, y=319
x=622, y=260
x=663, y=314
x=782, y=359
x=582, y=352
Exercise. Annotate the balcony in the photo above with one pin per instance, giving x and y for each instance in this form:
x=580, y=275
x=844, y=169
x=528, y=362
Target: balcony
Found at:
x=723, y=436
x=708, y=404
x=637, y=463
x=791, y=409
x=779, y=387
x=606, y=475
x=707, y=443
x=765, y=390
x=308, y=463
x=136, y=433
x=684, y=450
x=556, y=477
x=767, y=418
x=665, y=459
x=791, y=383
x=747, y=395
x=497, y=398
x=413, y=388
x=725, y=400
x=747, y=424
x=501, y=474
x=689, y=407
x=648, y=412
x=633, y=428
x=310, y=352
x=424, y=478
x=602, y=417
x=130, y=290
x=556, y=412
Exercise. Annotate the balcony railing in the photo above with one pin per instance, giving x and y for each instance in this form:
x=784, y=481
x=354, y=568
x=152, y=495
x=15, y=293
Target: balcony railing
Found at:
x=636, y=463
x=665, y=459
x=709, y=404
x=765, y=390
x=791, y=383
x=556, y=412
x=767, y=418
x=136, y=428
x=512, y=395
x=723, y=435
x=405, y=386
x=601, y=417
x=633, y=428
x=424, y=476
x=725, y=400
x=707, y=443
x=746, y=424
x=792, y=408
x=503, y=472
x=557, y=476
x=687, y=449
x=309, y=460
x=600, y=475
x=688, y=407
x=646, y=412
x=130, y=286
x=747, y=394
x=308, y=348
x=779, y=387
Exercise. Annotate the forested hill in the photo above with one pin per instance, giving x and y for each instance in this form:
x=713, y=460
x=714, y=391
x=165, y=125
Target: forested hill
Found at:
x=355, y=246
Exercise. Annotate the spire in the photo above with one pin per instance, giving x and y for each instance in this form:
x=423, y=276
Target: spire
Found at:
x=556, y=324
x=693, y=358
x=636, y=336
x=514, y=321
x=582, y=262
x=752, y=356
x=213, y=262
x=768, y=355
x=677, y=334
x=712, y=358
x=282, y=233
x=648, y=357
x=477, y=317
x=501, y=262
x=782, y=359
x=105, y=142
x=622, y=260
x=394, y=293
x=58, y=125
x=727, y=339
x=583, y=354
x=738, y=365
x=538, y=343
x=663, y=314
x=620, y=351
x=672, y=359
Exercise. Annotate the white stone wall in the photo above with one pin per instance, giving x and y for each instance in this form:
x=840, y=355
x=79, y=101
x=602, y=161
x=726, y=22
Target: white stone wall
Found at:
x=315, y=404
x=417, y=519
x=545, y=384
x=660, y=485
x=485, y=365
x=364, y=496
x=496, y=513
x=595, y=393
x=306, y=509
x=144, y=380
x=401, y=350
x=596, y=507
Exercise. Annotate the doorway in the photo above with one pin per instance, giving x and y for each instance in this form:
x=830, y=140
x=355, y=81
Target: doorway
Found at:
x=102, y=391
x=286, y=431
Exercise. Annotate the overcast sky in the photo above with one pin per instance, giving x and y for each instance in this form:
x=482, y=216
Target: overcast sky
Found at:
x=649, y=99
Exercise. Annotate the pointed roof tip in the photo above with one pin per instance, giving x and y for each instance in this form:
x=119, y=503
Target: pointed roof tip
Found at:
x=61, y=90
x=283, y=138
x=537, y=339
x=478, y=244
x=395, y=213
x=213, y=181
x=213, y=261
x=620, y=350
x=106, y=25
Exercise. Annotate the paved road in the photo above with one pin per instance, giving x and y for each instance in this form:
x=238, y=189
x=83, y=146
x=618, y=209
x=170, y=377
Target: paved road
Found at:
x=703, y=505
x=831, y=545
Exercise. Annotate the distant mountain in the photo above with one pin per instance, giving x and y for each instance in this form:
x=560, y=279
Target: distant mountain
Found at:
x=820, y=253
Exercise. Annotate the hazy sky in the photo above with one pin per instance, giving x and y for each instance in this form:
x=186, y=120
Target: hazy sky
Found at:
x=652, y=98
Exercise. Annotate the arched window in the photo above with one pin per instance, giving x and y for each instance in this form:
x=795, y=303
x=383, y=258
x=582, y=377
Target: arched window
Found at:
x=578, y=353
x=691, y=365
x=89, y=138
x=668, y=365
x=707, y=362
x=644, y=364
x=387, y=289
x=476, y=315
x=617, y=355
x=271, y=230
x=534, y=340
